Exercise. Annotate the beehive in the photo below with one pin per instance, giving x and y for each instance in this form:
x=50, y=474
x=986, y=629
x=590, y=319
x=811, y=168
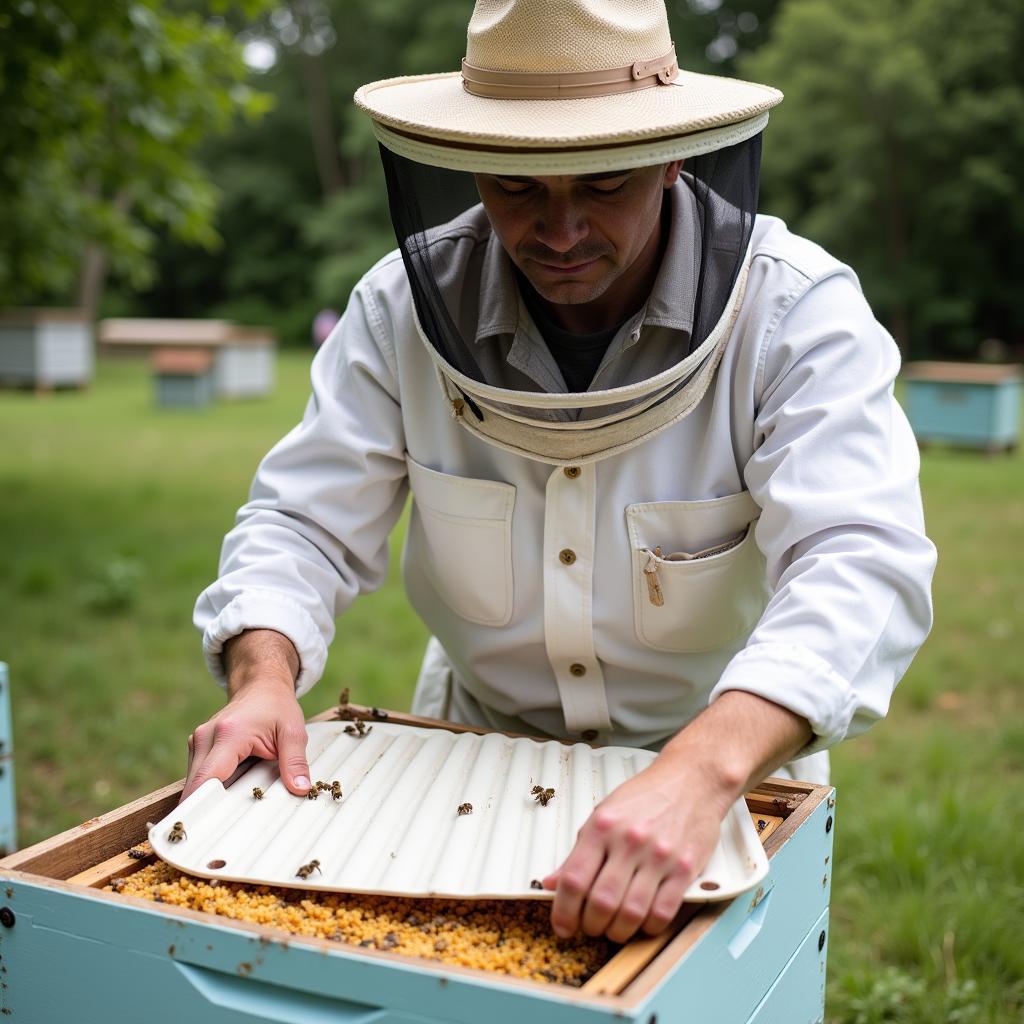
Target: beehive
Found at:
x=759, y=958
x=46, y=348
x=972, y=405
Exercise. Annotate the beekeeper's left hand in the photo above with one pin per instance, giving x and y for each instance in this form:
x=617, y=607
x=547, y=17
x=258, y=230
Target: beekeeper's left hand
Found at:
x=646, y=841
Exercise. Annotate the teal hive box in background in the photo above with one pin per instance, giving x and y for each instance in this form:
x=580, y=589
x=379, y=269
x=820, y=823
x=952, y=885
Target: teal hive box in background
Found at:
x=72, y=952
x=975, y=405
x=183, y=378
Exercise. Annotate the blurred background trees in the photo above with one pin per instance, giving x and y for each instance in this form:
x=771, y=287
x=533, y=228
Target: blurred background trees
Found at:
x=105, y=107
x=208, y=155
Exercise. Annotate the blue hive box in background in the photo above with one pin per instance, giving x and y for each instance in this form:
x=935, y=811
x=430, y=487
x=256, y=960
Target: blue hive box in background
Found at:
x=183, y=377
x=974, y=405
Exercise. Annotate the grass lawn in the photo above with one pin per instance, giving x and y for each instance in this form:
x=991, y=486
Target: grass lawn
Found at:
x=110, y=524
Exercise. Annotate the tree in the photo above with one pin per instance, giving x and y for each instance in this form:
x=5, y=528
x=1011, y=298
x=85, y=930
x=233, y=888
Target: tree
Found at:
x=899, y=147
x=105, y=106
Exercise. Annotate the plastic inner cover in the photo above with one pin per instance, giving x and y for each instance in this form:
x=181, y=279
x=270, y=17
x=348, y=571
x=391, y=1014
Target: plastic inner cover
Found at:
x=451, y=255
x=423, y=812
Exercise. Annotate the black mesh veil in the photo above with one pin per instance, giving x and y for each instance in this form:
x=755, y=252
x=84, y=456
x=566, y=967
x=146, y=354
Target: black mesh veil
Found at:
x=443, y=235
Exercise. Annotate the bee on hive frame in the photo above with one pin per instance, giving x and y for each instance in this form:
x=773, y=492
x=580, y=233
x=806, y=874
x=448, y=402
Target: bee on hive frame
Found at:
x=177, y=833
x=307, y=869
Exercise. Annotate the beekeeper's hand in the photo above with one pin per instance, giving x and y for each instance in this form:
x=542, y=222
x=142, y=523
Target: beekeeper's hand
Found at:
x=262, y=717
x=643, y=845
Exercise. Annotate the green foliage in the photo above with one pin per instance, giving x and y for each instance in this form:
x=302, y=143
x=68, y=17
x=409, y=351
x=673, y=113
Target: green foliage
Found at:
x=892, y=996
x=898, y=148
x=114, y=586
x=105, y=106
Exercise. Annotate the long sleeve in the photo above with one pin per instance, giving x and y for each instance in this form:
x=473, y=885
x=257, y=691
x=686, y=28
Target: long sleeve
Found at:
x=835, y=472
x=314, y=532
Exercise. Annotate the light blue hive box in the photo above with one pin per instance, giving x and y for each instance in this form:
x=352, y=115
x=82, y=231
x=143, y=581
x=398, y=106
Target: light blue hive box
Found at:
x=974, y=405
x=71, y=952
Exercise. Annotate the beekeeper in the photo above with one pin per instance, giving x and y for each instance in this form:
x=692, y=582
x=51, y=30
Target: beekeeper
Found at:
x=662, y=493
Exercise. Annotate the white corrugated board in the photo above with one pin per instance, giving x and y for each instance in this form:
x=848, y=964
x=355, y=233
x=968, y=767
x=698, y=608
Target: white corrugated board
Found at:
x=397, y=829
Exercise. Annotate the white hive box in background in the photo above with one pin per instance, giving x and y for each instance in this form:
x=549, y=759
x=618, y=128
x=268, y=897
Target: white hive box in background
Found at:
x=46, y=348
x=243, y=357
x=244, y=364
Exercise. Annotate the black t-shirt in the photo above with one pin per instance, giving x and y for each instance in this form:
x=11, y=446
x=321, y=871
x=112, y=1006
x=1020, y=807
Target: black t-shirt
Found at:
x=578, y=355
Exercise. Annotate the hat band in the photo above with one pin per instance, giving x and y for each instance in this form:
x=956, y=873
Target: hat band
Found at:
x=534, y=85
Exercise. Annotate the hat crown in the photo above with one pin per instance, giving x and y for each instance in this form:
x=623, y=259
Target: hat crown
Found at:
x=552, y=36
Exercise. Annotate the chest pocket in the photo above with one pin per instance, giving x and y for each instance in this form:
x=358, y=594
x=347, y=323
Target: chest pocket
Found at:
x=461, y=536
x=698, y=576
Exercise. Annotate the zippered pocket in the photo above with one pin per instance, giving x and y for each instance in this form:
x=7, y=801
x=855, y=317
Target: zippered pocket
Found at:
x=699, y=596
x=655, y=558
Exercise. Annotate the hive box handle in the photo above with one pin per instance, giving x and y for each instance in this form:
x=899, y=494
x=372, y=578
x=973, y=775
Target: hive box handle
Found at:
x=751, y=927
x=261, y=1002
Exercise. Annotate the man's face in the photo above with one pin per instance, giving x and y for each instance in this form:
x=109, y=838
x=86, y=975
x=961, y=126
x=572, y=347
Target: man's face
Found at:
x=574, y=237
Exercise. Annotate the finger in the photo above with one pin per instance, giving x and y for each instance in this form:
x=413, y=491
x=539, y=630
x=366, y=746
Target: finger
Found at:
x=609, y=888
x=291, y=756
x=635, y=906
x=221, y=761
x=667, y=901
x=199, y=745
x=574, y=879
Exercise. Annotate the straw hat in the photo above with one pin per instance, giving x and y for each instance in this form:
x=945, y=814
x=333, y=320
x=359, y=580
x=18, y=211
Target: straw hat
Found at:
x=548, y=85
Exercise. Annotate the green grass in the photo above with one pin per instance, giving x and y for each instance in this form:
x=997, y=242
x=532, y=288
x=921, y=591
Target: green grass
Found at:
x=110, y=523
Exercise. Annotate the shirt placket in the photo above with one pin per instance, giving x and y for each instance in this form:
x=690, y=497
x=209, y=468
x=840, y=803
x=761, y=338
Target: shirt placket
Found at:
x=568, y=599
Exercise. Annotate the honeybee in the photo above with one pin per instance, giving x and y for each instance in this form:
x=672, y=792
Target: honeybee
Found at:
x=312, y=793
x=257, y=793
x=137, y=854
x=761, y=825
x=542, y=795
x=465, y=808
x=536, y=883
x=336, y=789
x=307, y=869
x=378, y=713
x=177, y=833
x=359, y=728
x=321, y=785
x=343, y=696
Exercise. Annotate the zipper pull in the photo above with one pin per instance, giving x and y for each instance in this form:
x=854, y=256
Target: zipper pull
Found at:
x=651, y=575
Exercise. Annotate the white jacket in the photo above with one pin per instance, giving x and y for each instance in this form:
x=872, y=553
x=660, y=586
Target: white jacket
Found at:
x=541, y=583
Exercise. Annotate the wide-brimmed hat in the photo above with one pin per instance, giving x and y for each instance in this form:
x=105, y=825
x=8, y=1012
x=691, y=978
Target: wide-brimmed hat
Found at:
x=561, y=86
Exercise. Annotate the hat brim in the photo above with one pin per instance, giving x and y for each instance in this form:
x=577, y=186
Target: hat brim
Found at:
x=622, y=156
x=437, y=107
